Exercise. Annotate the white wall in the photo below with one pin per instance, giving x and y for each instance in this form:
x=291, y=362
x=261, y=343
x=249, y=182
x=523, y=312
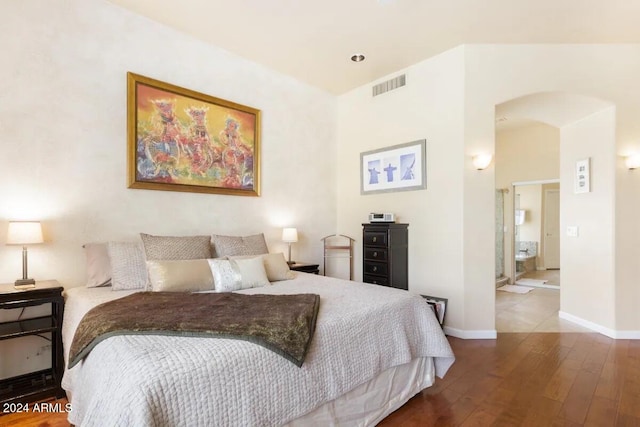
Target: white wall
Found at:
x=587, y=272
x=531, y=202
x=63, y=137
x=541, y=263
x=453, y=222
x=430, y=107
x=500, y=73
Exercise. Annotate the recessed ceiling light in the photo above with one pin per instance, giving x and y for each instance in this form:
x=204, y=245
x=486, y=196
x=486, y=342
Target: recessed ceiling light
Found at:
x=358, y=57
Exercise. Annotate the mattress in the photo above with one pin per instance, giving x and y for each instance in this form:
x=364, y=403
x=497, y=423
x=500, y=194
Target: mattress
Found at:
x=374, y=347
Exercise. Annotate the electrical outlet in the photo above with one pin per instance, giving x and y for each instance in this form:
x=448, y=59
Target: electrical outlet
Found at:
x=572, y=231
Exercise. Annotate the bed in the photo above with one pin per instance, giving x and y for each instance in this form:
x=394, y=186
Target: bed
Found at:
x=373, y=349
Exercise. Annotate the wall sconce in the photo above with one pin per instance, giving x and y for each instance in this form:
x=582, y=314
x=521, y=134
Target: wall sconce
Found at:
x=481, y=161
x=632, y=161
x=290, y=235
x=24, y=233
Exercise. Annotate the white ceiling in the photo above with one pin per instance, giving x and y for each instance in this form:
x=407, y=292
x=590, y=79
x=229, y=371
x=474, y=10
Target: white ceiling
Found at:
x=313, y=40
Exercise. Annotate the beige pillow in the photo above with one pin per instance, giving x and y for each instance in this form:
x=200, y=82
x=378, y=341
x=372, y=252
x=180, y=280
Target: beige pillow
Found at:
x=275, y=266
x=226, y=246
x=98, y=264
x=172, y=248
x=190, y=275
x=252, y=272
x=128, y=268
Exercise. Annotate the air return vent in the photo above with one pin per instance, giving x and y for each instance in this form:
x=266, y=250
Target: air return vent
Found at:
x=392, y=84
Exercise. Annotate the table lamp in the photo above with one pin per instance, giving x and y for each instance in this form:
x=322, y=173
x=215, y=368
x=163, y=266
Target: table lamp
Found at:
x=290, y=235
x=24, y=233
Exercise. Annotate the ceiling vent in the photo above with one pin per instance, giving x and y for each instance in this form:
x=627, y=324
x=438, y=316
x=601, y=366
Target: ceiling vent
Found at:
x=392, y=84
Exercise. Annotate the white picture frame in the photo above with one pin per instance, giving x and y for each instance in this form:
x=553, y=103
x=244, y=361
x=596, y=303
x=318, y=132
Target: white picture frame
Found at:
x=582, y=183
x=398, y=168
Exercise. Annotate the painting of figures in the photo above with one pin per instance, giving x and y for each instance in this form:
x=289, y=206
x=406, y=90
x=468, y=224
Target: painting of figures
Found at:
x=181, y=140
x=398, y=168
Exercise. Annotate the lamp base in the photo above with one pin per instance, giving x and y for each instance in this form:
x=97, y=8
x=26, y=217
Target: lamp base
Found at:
x=24, y=284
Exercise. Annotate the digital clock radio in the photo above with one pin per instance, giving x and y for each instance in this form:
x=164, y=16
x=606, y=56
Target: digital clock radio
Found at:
x=382, y=217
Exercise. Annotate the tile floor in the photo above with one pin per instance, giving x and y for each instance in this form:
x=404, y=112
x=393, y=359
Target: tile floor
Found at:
x=536, y=311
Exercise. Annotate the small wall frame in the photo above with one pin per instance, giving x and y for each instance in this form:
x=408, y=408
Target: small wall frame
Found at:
x=400, y=167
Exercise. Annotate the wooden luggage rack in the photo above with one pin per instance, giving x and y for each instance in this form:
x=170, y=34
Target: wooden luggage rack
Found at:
x=334, y=249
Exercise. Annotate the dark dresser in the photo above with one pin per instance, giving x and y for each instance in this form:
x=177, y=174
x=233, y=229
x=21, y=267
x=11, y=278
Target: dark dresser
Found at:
x=36, y=385
x=385, y=254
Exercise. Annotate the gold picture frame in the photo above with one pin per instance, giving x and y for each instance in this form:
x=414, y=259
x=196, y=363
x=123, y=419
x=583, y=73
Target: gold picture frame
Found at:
x=182, y=140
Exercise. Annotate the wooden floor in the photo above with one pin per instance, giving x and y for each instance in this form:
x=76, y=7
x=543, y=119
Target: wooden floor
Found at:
x=536, y=379
x=520, y=379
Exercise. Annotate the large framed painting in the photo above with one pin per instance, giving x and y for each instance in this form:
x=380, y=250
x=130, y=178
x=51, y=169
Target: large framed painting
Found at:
x=182, y=140
x=397, y=168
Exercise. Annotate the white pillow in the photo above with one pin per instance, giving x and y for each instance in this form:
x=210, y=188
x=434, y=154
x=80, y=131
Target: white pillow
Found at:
x=190, y=275
x=226, y=275
x=235, y=274
x=275, y=266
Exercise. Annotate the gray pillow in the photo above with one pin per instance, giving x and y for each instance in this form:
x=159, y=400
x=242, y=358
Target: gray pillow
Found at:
x=176, y=248
x=128, y=268
x=225, y=246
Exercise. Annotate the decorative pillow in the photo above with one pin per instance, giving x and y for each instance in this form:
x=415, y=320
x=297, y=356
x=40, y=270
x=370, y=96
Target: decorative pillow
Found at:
x=128, y=268
x=235, y=274
x=226, y=275
x=98, y=264
x=275, y=266
x=225, y=246
x=174, y=248
x=189, y=275
x=252, y=272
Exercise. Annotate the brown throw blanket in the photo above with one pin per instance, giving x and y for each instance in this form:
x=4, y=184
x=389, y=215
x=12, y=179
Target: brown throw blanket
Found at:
x=282, y=323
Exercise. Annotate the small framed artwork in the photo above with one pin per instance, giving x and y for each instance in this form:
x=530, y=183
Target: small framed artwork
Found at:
x=583, y=176
x=182, y=140
x=400, y=167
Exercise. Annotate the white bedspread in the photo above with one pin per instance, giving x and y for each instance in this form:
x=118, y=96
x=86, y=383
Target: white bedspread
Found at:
x=138, y=380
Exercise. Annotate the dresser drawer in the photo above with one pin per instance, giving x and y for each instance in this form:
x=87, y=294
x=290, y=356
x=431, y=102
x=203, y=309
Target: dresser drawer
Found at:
x=376, y=280
x=376, y=254
x=379, y=268
x=374, y=238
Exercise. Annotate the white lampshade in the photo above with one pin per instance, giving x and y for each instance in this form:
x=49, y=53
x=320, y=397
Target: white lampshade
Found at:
x=633, y=161
x=289, y=235
x=481, y=161
x=24, y=233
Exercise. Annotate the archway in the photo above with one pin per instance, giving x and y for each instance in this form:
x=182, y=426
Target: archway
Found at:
x=568, y=115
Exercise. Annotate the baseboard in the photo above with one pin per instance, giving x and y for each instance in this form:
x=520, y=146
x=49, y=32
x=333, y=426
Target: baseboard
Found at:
x=471, y=335
x=611, y=333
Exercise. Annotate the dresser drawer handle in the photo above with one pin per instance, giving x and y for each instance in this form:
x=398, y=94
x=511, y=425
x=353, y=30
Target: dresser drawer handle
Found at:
x=375, y=268
x=374, y=239
x=375, y=254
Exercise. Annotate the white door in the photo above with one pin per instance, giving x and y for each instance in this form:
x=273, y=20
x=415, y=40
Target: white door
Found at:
x=552, y=229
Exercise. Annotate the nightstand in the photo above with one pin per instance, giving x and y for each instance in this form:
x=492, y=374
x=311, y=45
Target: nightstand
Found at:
x=45, y=383
x=306, y=268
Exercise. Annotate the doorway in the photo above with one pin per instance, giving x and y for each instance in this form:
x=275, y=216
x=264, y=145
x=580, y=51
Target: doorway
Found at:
x=536, y=237
x=534, y=303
